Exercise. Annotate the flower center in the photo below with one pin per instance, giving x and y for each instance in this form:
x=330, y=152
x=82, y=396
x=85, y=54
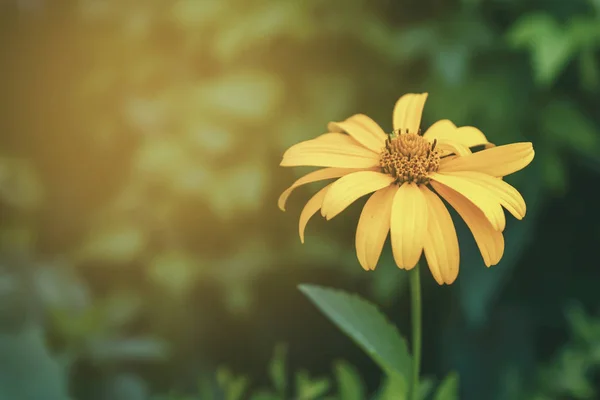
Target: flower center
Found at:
x=409, y=157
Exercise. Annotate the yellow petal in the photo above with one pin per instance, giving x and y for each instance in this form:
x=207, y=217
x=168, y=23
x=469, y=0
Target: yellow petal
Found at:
x=441, y=243
x=408, y=111
x=312, y=206
x=468, y=136
x=450, y=147
x=489, y=240
x=315, y=176
x=477, y=195
x=507, y=195
x=373, y=227
x=408, y=225
x=347, y=189
x=330, y=150
x=496, y=161
x=363, y=129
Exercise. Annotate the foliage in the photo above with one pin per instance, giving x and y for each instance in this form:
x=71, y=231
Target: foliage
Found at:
x=140, y=140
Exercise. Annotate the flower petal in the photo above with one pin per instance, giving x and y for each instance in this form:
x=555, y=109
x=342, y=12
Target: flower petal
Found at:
x=408, y=111
x=441, y=243
x=363, y=129
x=496, y=161
x=507, y=195
x=330, y=150
x=408, y=225
x=315, y=176
x=312, y=206
x=489, y=240
x=479, y=196
x=451, y=147
x=373, y=227
x=468, y=136
x=347, y=189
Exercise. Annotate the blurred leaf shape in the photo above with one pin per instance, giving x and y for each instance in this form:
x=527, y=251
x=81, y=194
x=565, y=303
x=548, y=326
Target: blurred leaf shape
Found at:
x=119, y=244
x=19, y=184
x=110, y=350
x=308, y=388
x=566, y=126
x=234, y=387
x=277, y=369
x=349, y=383
x=196, y=14
x=367, y=327
x=448, y=389
x=553, y=46
x=27, y=370
x=174, y=271
x=245, y=33
x=238, y=190
x=246, y=95
x=125, y=386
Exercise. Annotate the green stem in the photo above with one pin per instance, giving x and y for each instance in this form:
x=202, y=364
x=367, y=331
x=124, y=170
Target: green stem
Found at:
x=415, y=303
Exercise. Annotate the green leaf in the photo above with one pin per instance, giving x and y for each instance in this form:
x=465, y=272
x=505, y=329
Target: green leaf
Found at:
x=233, y=386
x=566, y=125
x=310, y=389
x=550, y=46
x=265, y=396
x=244, y=95
x=277, y=370
x=448, y=389
x=393, y=389
x=27, y=370
x=350, y=384
x=425, y=388
x=367, y=326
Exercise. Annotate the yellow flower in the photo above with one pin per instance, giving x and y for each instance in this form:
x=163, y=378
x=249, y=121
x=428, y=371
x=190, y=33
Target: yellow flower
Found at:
x=407, y=171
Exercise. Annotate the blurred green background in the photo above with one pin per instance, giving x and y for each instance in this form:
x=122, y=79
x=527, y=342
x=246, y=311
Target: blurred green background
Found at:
x=141, y=248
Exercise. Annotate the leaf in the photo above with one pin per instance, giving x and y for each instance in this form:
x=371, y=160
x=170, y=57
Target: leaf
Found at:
x=277, y=370
x=448, y=389
x=310, y=389
x=174, y=270
x=126, y=387
x=262, y=395
x=550, y=46
x=247, y=95
x=135, y=349
x=116, y=244
x=350, y=384
x=234, y=387
x=393, y=389
x=425, y=388
x=566, y=125
x=366, y=326
x=27, y=370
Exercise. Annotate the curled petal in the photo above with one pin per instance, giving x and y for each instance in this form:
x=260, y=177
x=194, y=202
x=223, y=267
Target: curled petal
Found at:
x=489, y=241
x=363, y=129
x=479, y=196
x=330, y=150
x=312, y=206
x=315, y=176
x=496, y=161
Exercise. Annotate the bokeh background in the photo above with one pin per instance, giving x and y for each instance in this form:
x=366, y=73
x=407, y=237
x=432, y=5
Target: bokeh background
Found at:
x=141, y=248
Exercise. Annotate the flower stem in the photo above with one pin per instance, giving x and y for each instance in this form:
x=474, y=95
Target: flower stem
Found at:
x=415, y=303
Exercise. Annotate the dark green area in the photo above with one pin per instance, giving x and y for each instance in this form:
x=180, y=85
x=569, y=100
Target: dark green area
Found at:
x=141, y=249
